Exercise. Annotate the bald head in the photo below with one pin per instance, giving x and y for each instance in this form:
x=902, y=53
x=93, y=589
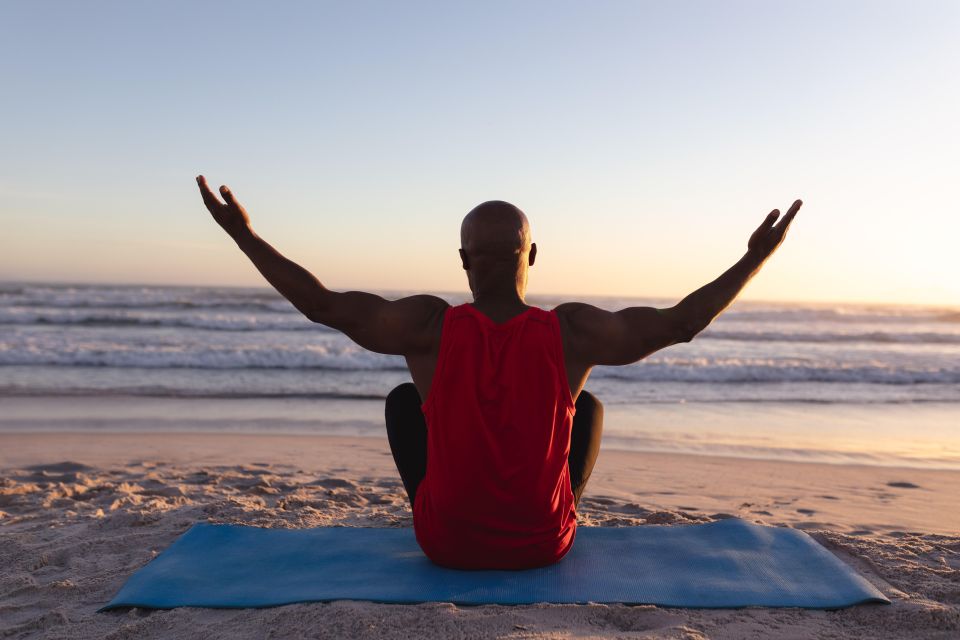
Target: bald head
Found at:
x=496, y=250
x=495, y=228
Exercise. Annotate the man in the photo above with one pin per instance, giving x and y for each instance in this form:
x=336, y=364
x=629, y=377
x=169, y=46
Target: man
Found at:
x=495, y=439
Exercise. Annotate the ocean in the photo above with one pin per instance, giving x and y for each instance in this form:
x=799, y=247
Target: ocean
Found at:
x=870, y=384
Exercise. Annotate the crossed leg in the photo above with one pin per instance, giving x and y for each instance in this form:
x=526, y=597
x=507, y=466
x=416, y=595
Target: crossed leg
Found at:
x=407, y=434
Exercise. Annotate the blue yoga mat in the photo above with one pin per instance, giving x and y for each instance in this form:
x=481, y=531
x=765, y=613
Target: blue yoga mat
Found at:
x=728, y=563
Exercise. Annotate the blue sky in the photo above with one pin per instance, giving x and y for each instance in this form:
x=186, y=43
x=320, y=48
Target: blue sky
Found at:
x=645, y=141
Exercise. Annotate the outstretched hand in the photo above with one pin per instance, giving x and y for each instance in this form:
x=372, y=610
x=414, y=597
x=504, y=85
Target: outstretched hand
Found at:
x=768, y=235
x=231, y=216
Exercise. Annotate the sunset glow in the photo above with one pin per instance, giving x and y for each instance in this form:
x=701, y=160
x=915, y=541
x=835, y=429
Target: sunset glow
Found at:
x=645, y=141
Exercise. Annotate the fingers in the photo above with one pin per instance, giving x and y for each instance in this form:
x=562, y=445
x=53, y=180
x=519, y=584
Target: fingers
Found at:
x=763, y=229
x=228, y=195
x=209, y=198
x=791, y=213
x=768, y=221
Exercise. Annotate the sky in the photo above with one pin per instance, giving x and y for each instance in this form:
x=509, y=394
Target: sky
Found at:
x=644, y=140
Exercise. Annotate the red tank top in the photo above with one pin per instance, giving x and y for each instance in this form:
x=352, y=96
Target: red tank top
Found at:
x=496, y=494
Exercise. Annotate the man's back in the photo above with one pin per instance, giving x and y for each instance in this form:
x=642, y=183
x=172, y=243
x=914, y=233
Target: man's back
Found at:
x=497, y=492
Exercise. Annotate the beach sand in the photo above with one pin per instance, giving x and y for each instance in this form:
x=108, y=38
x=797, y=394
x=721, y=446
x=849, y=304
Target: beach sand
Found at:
x=80, y=513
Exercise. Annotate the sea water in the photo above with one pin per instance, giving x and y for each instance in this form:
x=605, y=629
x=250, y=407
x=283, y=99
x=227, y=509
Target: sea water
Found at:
x=874, y=384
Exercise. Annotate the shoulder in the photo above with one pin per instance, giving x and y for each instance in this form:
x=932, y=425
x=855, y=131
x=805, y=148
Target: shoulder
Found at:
x=580, y=315
x=592, y=335
x=417, y=321
x=422, y=309
x=421, y=305
x=417, y=315
x=581, y=324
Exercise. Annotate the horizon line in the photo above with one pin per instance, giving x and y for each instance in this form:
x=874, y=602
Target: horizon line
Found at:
x=465, y=292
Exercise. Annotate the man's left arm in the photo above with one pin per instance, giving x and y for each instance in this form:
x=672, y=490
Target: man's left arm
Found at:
x=596, y=336
x=398, y=327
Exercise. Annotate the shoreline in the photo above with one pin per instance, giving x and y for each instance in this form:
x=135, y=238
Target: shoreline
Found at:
x=258, y=286
x=280, y=434
x=844, y=434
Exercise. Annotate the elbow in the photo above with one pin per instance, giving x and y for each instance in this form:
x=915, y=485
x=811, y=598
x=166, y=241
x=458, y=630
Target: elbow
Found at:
x=687, y=331
x=319, y=309
x=314, y=314
x=683, y=323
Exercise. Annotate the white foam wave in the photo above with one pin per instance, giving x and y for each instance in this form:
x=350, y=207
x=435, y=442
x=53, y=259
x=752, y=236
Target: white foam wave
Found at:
x=344, y=356
x=732, y=370
x=332, y=355
x=114, y=317
x=886, y=337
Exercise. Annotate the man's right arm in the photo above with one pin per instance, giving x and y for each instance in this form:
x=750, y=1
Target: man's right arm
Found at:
x=594, y=336
x=402, y=327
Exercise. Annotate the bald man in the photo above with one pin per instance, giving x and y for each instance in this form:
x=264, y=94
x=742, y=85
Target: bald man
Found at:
x=495, y=438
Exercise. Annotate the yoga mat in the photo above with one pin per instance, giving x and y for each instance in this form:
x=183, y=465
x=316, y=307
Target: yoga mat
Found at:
x=728, y=563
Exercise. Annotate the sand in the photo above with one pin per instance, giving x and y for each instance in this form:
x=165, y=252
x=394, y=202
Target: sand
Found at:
x=79, y=513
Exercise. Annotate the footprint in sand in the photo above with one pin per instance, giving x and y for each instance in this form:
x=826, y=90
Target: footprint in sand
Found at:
x=903, y=485
x=60, y=467
x=333, y=483
x=806, y=512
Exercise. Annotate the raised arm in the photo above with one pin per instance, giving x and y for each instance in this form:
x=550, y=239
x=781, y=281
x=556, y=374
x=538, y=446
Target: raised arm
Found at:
x=400, y=327
x=594, y=336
